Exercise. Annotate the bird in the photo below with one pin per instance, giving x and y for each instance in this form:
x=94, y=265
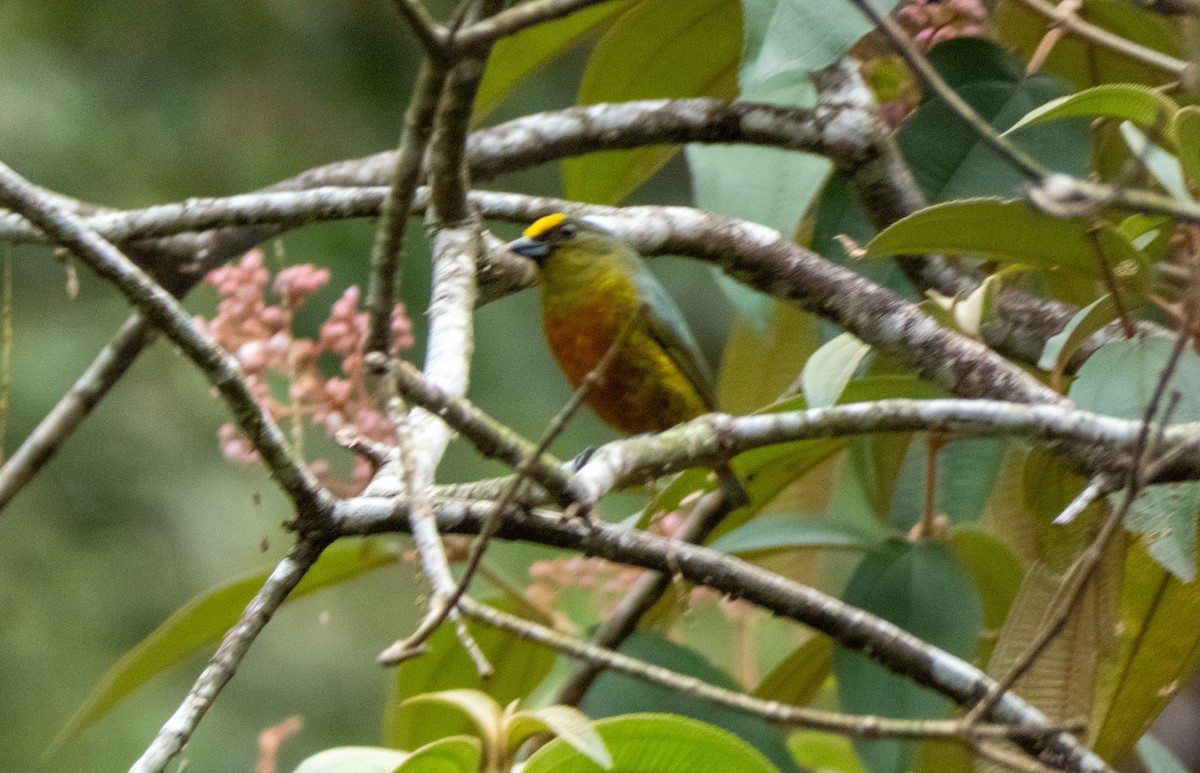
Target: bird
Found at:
x=597, y=290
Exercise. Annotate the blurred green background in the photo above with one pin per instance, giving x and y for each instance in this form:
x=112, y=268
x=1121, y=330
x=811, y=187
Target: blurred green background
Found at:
x=127, y=104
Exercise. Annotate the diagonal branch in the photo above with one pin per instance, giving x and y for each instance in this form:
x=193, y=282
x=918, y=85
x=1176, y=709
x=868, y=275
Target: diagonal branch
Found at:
x=396, y=210
x=178, y=729
x=75, y=406
x=881, y=641
x=165, y=312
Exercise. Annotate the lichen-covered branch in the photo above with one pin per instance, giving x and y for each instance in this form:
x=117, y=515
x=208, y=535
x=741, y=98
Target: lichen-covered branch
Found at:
x=887, y=644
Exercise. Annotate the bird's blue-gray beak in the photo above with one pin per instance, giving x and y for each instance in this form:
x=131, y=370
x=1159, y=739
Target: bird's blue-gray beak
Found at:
x=534, y=249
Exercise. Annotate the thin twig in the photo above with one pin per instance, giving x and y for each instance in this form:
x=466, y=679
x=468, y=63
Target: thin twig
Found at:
x=397, y=207
x=512, y=20
x=491, y=438
x=1073, y=25
x=178, y=729
x=431, y=552
x=872, y=727
x=73, y=407
x=433, y=36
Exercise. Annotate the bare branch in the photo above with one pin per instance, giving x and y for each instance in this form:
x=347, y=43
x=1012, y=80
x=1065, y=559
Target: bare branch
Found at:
x=795, y=716
x=433, y=36
x=860, y=631
x=178, y=729
x=165, y=312
x=397, y=207
x=75, y=406
x=512, y=20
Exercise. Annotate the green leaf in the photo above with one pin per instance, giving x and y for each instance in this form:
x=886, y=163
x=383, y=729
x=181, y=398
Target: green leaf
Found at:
x=456, y=754
x=777, y=533
x=1146, y=107
x=924, y=589
x=519, y=666
x=1157, y=758
x=1118, y=380
x=202, y=620
x=353, y=759
x=1157, y=650
x=1013, y=231
x=806, y=35
x=613, y=694
x=798, y=677
x=949, y=159
x=1165, y=516
x=996, y=571
x=1186, y=128
x=565, y=722
x=1062, y=346
x=1163, y=165
x=825, y=752
x=658, y=48
x=759, y=366
x=656, y=743
x=764, y=185
x=485, y=714
x=830, y=369
x=515, y=58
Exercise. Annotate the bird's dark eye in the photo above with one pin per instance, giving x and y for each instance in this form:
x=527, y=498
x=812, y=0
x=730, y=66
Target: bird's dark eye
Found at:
x=567, y=231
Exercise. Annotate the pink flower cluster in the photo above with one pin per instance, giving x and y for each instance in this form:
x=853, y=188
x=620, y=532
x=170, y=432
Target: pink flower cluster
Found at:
x=932, y=21
x=260, y=335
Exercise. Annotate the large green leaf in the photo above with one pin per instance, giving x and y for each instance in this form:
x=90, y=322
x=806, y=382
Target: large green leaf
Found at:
x=1013, y=231
x=658, y=48
x=1118, y=380
x=656, y=743
x=1186, y=128
x=1063, y=345
x=924, y=589
x=566, y=723
x=519, y=665
x=966, y=474
x=1157, y=758
x=202, y=620
x=1164, y=166
x=1158, y=650
x=947, y=156
x=830, y=368
x=457, y=754
x=1146, y=107
x=825, y=752
x=807, y=35
x=777, y=533
x=783, y=43
x=515, y=58
x=758, y=367
x=614, y=694
x=996, y=571
x=797, y=678
x=353, y=759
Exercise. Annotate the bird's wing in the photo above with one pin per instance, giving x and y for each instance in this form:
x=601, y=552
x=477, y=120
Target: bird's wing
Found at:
x=666, y=325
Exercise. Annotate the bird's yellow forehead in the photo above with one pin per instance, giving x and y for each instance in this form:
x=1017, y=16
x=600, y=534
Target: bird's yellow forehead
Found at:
x=544, y=224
